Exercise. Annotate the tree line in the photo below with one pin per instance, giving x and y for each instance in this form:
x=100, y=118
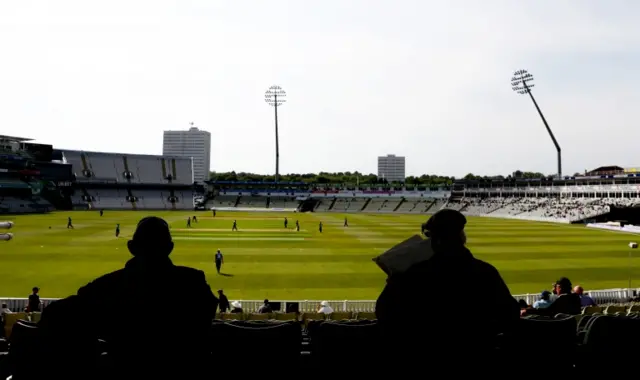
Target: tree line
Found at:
x=361, y=178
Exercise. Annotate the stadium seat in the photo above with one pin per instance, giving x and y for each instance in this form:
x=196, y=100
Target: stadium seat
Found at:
x=614, y=309
x=10, y=320
x=26, y=346
x=306, y=317
x=340, y=315
x=366, y=316
x=232, y=316
x=578, y=318
x=286, y=316
x=261, y=343
x=592, y=310
x=531, y=336
x=610, y=337
x=35, y=317
x=348, y=345
x=258, y=317
x=583, y=323
x=634, y=309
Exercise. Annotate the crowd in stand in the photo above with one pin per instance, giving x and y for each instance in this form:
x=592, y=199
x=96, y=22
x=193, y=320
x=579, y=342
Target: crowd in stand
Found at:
x=570, y=209
x=112, y=328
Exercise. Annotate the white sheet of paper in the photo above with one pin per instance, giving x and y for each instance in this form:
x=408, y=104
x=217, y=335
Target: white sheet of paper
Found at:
x=402, y=256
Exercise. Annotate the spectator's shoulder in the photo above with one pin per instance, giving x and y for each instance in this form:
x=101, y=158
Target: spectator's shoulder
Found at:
x=485, y=267
x=104, y=281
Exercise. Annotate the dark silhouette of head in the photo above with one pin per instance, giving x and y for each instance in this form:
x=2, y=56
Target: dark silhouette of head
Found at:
x=446, y=227
x=563, y=286
x=152, y=239
x=220, y=292
x=545, y=295
x=35, y=290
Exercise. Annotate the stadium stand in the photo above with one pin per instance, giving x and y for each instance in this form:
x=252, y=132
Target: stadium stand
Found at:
x=18, y=197
x=382, y=205
x=568, y=200
x=558, y=208
x=249, y=202
x=126, y=181
x=282, y=202
x=324, y=204
x=128, y=168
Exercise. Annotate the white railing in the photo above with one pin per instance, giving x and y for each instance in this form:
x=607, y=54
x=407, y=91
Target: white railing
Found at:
x=250, y=209
x=601, y=297
x=607, y=296
x=528, y=218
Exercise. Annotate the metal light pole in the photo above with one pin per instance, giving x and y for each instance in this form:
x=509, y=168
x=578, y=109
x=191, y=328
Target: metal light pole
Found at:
x=275, y=97
x=522, y=83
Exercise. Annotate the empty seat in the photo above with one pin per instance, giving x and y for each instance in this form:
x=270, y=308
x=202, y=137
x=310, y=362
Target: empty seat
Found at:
x=258, y=316
x=35, y=317
x=340, y=315
x=592, y=310
x=307, y=317
x=634, y=309
x=348, y=345
x=530, y=336
x=261, y=343
x=286, y=316
x=367, y=315
x=233, y=316
x=615, y=309
x=611, y=337
x=26, y=346
x=10, y=320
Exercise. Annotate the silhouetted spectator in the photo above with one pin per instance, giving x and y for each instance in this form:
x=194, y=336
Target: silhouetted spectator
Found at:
x=265, y=308
x=122, y=308
x=585, y=299
x=34, y=300
x=448, y=307
x=565, y=303
x=223, y=302
x=544, y=301
x=236, y=307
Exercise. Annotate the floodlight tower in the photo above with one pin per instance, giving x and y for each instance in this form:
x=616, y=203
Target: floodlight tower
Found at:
x=275, y=97
x=522, y=83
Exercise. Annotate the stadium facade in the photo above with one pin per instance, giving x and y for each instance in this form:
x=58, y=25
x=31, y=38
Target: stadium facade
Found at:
x=130, y=181
x=194, y=144
x=37, y=178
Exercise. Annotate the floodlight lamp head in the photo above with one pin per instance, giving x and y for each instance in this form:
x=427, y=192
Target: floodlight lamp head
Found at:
x=275, y=96
x=522, y=82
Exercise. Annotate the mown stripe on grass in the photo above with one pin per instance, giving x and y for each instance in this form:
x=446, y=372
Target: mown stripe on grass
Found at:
x=196, y=238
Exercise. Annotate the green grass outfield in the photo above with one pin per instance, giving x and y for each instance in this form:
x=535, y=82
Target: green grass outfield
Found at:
x=268, y=261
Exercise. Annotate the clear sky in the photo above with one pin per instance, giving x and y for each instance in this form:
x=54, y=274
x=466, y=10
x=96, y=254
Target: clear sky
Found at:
x=429, y=80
